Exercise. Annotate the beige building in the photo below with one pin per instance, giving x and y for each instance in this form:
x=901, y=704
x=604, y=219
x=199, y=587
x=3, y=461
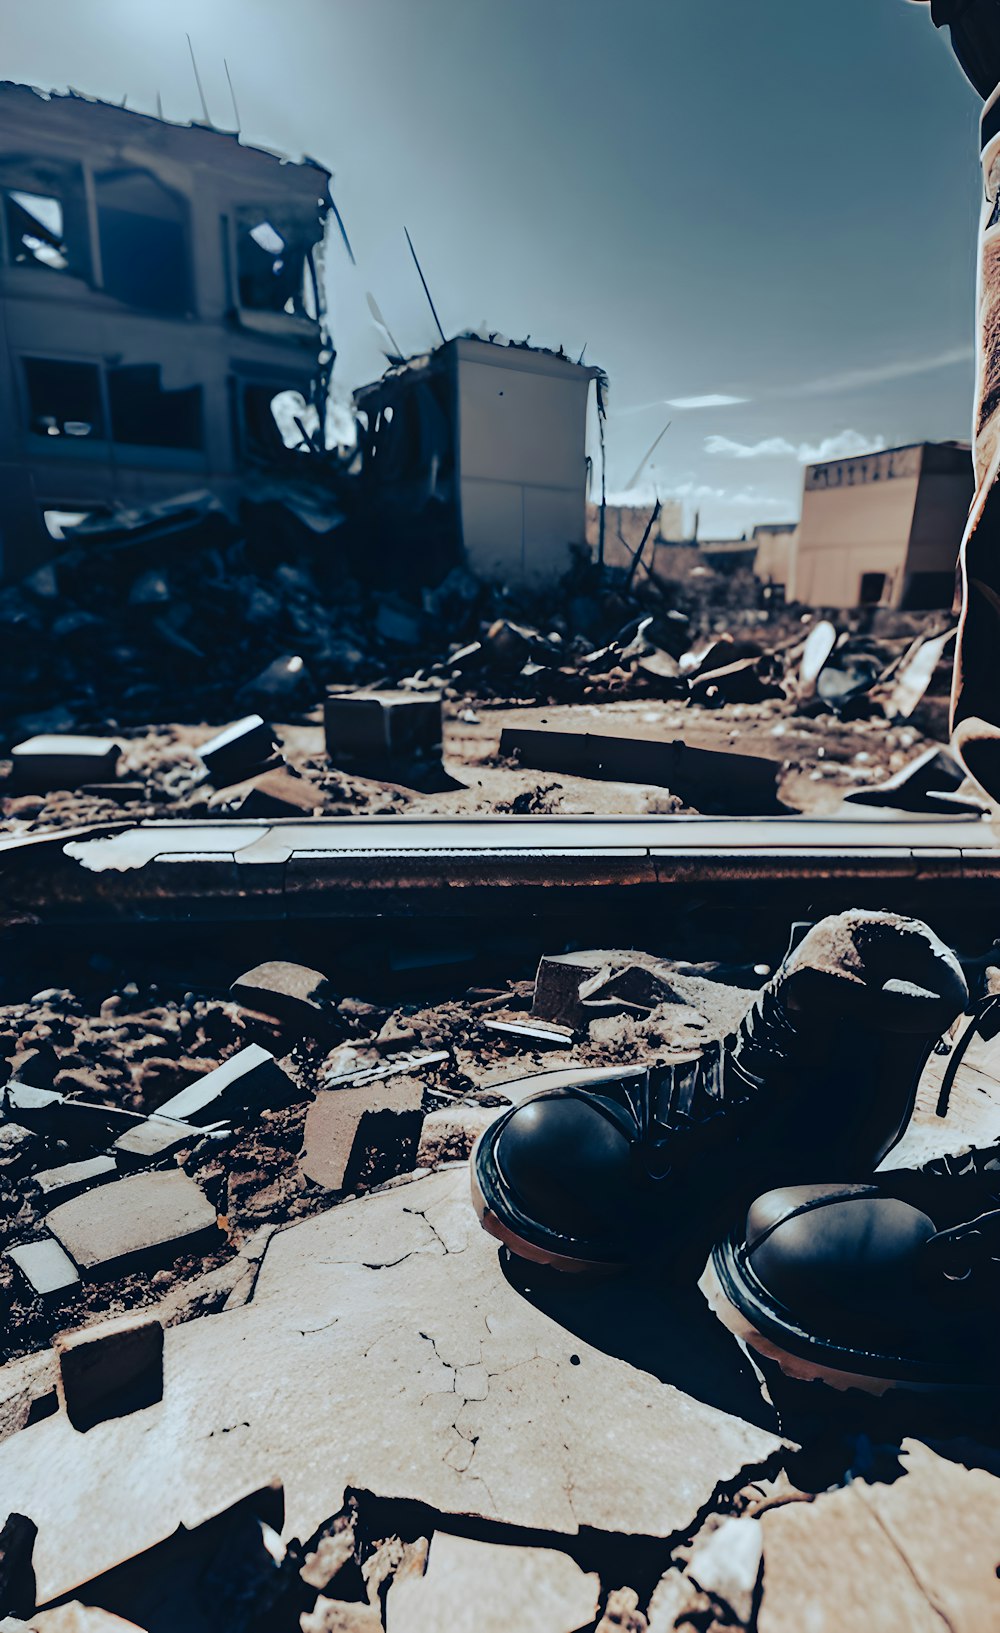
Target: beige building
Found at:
x=883, y=529
x=479, y=449
x=775, y=544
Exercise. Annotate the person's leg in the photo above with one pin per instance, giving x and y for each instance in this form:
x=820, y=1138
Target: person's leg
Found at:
x=974, y=26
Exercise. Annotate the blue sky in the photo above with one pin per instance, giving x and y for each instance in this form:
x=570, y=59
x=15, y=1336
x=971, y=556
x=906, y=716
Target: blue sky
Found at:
x=761, y=212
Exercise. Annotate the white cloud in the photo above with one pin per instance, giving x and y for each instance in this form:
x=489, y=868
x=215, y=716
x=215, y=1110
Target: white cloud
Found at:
x=846, y=444
x=712, y=400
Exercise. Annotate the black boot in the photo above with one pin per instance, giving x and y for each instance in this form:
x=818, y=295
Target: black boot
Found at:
x=891, y=1285
x=820, y=1077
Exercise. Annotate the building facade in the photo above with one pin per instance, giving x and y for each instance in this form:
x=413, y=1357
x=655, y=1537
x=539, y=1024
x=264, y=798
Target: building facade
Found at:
x=479, y=450
x=161, y=289
x=884, y=529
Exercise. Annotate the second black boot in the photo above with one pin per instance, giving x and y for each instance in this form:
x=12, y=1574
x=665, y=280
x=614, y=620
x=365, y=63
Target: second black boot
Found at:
x=819, y=1077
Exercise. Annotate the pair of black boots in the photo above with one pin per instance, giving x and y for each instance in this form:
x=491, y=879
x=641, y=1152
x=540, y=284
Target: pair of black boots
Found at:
x=832, y=1274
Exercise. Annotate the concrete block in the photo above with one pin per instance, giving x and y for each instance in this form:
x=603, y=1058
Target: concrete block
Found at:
x=45, y=1267
x=235, y=752
x=298, y=997
x=141, y=1220
x=247, y=1081
x=63, y=761
x=374, y=730
x=72, y=1177
x=108, y=1370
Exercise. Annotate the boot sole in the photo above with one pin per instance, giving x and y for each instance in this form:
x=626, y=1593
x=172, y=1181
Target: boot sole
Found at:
x=717, y=1285
x=524, y=1247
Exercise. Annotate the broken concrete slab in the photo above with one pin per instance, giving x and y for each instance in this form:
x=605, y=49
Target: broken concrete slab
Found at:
x=396, y=1298
x=248, y=1080
x=726, y=1563
x=300, y=998
x=46, y=1268
x=238, y=750
x=72, y=1177
x=278, y=793
x=109, y=1369
x=63, y=761
x=375, y=730
x=142, y=1219
x=919, y=1553
x=707, y=779
x=340, y=1121
x=486, y=1587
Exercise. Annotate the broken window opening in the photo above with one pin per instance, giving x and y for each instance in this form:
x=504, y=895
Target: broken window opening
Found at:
x=275, y=270
x=64, y=399
x=276, y=424
x=144, y=415
x=35, y=230
x=59, y=523
x=143, y=229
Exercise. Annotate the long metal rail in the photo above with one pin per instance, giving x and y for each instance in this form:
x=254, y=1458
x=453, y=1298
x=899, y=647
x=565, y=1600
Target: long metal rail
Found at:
x=359, y=866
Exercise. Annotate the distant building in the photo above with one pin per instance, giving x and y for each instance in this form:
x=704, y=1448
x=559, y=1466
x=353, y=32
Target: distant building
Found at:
x=884, y=529
x=774, y=556
x=625, y=527
x=160, y=289
x=477, y=451
x=727, y=555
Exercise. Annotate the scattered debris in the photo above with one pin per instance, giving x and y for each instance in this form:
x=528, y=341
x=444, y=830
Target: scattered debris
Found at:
x=237, y=751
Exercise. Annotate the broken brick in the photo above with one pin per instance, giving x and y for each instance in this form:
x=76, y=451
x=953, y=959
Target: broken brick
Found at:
x=297, y=996
x=341, y=1122
x=238, y=750
x=275, y=793
x=110, y=1369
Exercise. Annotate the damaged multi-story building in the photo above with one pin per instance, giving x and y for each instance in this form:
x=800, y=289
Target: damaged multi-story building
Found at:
x=162, y=299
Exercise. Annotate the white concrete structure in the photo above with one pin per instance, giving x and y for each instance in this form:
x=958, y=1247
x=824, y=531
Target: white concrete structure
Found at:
x=159, y=287
x=489, y=443
x=884, y=529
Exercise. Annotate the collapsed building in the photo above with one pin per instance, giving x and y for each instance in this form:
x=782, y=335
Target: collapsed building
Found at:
x=477, y=450
x=162, y=287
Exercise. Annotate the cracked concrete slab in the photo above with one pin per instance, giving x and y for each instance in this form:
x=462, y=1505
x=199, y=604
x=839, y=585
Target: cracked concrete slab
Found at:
x=927, y=1545
x=383, y=1349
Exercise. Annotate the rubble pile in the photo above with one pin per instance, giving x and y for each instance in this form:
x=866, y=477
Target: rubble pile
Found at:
x=265, y=1102
x=234, y=1230
x=126, y=626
